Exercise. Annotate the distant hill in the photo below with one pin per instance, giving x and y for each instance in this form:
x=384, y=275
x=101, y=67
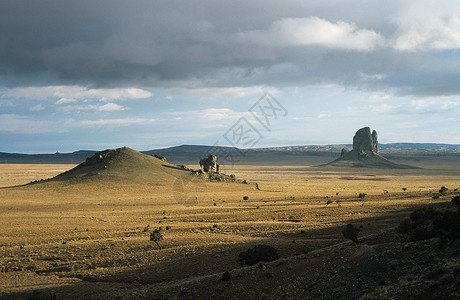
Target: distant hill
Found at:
x=414, y=148
x=55, y=158
x=190, y=154
x=124, y=165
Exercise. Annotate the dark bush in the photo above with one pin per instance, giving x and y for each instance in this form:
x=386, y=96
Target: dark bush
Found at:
x=245, y=197
x=426, y=223
x=447, y=225
x=423, y=214
x=443, y=190
x=456, y=200
x=256, y=254
x=39, y=295
x=362, y=195
x=226, y=276
x=404, y=227
x=156, y=236
x=351, y=232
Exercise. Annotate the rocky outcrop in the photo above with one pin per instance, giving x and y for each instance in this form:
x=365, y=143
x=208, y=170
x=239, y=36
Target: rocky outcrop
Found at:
x=162, y=158
x=365, y=153
x=365, y=142
x=209, y=164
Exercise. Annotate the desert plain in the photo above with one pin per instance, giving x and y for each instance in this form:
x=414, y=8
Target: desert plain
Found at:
x=90, y=240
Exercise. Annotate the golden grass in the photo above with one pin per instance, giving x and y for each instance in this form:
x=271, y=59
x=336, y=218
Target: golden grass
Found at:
x=97, y=231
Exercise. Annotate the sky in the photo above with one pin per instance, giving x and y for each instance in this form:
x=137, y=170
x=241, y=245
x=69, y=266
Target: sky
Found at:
x=152, y=74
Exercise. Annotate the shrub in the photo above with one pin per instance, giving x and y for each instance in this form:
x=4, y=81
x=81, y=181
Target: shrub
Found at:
x=256, y=254
x=435, y=196
x=404, y=189
x=351, y=232
x=443, y=190
x=39, y=295
x=362, y=195
x=425, y=223
x=328, y=202
x=456, y=200
x=226, y=276
x=245, y=197
x=422, y=214
x=168, y=227
x=146, y=228
x=157, y=236
x=447, y=225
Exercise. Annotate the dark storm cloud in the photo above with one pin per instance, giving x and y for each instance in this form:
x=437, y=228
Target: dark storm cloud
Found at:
x=198, y=44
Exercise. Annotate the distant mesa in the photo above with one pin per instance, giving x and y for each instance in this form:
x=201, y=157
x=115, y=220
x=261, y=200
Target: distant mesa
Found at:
x=365, y=153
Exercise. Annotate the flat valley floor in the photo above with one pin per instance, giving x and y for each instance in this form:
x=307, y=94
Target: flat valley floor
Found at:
x=91, y=241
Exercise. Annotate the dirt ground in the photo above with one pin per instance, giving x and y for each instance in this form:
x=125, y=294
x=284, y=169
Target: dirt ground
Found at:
x=91, y=240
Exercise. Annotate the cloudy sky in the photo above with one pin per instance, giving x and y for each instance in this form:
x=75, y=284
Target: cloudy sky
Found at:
x=150, y=74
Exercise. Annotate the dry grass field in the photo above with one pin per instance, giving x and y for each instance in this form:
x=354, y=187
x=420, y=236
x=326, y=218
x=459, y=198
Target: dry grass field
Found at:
x=91, y=240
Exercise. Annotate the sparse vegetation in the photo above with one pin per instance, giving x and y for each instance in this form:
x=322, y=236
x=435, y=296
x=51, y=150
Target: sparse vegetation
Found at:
x=362, y=195
x=256, y=254
x=39, y=295
x=201, y=231
x=351, y=232
x=226, y=276
x=156, y=236
x=456, y=200
x=443, y=190
x=427, y=222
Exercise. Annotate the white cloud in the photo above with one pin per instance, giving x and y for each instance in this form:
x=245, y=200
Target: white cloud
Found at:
x=418, y=107
x=428, y=26
x=314, y=31
x=68, y=94
x=383, y=108
x=111, y=107
x=65, y=101
x=114, y=122
x=434, y=106
x=233, y=92
x=322, y=116
x=210, y=114
x=37, y=107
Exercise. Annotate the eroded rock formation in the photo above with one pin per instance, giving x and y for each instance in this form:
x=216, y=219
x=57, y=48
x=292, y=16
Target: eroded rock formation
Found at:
x=209, y=164
x=364, y=141
x=365, y=153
